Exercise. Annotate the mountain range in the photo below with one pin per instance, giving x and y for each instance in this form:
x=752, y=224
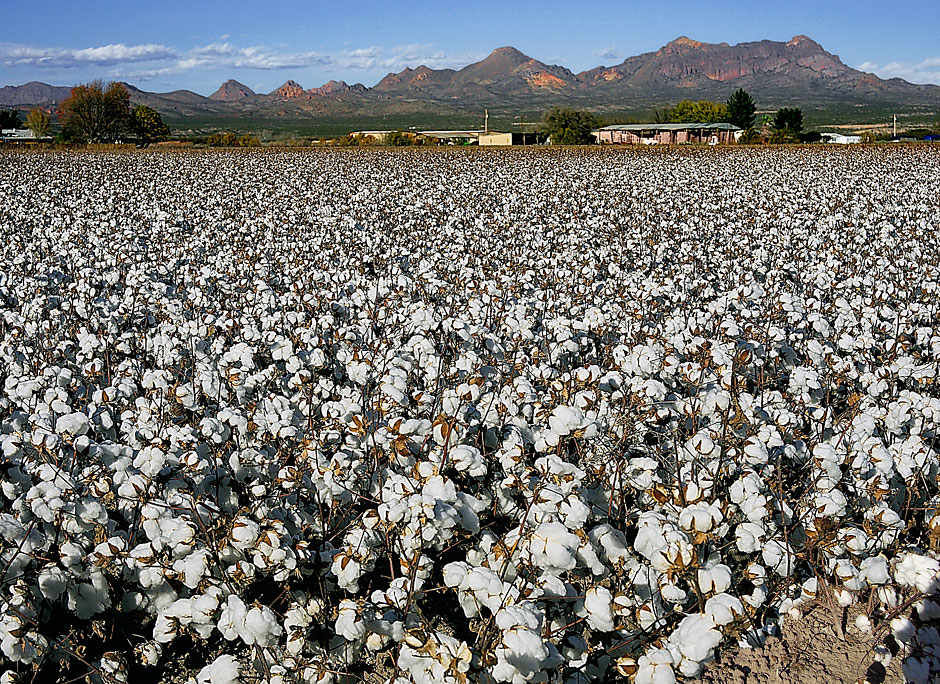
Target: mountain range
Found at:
x=798, y=72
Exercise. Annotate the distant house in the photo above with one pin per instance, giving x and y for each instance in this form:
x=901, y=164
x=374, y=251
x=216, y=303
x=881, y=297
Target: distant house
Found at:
x=839, y=139
x=20, y=136
x=667, y=134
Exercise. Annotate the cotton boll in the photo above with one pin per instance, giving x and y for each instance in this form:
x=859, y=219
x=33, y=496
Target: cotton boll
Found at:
x=519, y=615
x=468, y=459
x=261, y=627
x=693, y=642
x=52, y=581
x=915, y=570
x=714, y=578
x=748, y=537
x=245, y=533
x=553, y=547
x=72, y=424
x=232, y=619
x=222, y=670
x=655, y=667
x=778, y=557
x=724, y=609
x=597, y=603
x=863, y=624
x=522, y=654
x=875, y=569
x=349, y=624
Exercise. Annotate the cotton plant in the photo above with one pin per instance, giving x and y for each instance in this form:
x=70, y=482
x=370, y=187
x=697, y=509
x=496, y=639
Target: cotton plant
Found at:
x=370, y=417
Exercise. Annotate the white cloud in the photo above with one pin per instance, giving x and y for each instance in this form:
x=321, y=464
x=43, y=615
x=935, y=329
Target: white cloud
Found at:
x=152, y=61
x=608, y=53
x=925, y=71
x=255, y=57
x=12, y=55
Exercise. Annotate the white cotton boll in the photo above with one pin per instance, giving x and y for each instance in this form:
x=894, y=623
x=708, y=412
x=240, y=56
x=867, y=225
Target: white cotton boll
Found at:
x=519, y=615
x=72, y=424
x=928, y=610
x=755, y=452
x=523, y=651
x=244, y=532
x=724, y=609
x=917, y=669
x=553, y=547
x=455, y=573
x=655, y=667
x=597, y=603
x=694, y=640
x=845, y=597
x=468, y=459
x=564, y=420
x=551, y=585
x=875, y=569
x=699, y=517
x=261, y=627
x=232, y=619
x=349, y=624
x=89, y=598
x=52, y=581
x=714, y=578
x=612, y=541
x=915, y=570
x=748, y=537
x=863, y=624
x=222, y=670
x=779, y=557
x=672, y=593
x=903, y=629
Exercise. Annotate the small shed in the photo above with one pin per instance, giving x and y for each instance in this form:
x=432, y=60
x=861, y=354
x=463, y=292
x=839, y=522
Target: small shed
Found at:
x=492, y=138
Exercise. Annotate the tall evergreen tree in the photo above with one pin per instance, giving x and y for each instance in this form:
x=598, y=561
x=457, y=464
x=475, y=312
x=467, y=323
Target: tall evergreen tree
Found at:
x=741, y=109
x=10, y=118
x=789, y=119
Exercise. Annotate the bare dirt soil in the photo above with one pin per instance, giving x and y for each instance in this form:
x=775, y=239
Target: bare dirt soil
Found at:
x=809, y=650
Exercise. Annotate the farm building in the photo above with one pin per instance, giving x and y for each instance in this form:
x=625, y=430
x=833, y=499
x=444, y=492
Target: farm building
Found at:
x=840, y=139
x=493, y=138
x=667, y=134
x=20, y=136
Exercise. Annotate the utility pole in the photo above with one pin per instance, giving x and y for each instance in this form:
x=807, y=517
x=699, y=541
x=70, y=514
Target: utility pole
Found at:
x=486, y=121
x=895, y=126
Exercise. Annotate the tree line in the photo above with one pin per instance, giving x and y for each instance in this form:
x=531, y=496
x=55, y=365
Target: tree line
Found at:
x=567, y=126
x=95, y=113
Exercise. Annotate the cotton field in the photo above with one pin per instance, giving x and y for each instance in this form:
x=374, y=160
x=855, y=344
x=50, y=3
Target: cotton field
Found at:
x=456, y=416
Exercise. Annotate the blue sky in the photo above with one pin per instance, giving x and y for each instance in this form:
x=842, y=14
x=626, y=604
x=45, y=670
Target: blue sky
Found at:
x=196, y=45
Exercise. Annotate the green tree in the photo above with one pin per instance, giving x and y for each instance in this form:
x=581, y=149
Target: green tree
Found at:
x=148, y=125
x=227, y=139
x=567, y=126
x=741, y=109
x=750, y=137
x=398, y=139
x=661, y=115
x=39, y=122
x=10, y=118
x=93, y=113
x=790, y=120
x=703, y=111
